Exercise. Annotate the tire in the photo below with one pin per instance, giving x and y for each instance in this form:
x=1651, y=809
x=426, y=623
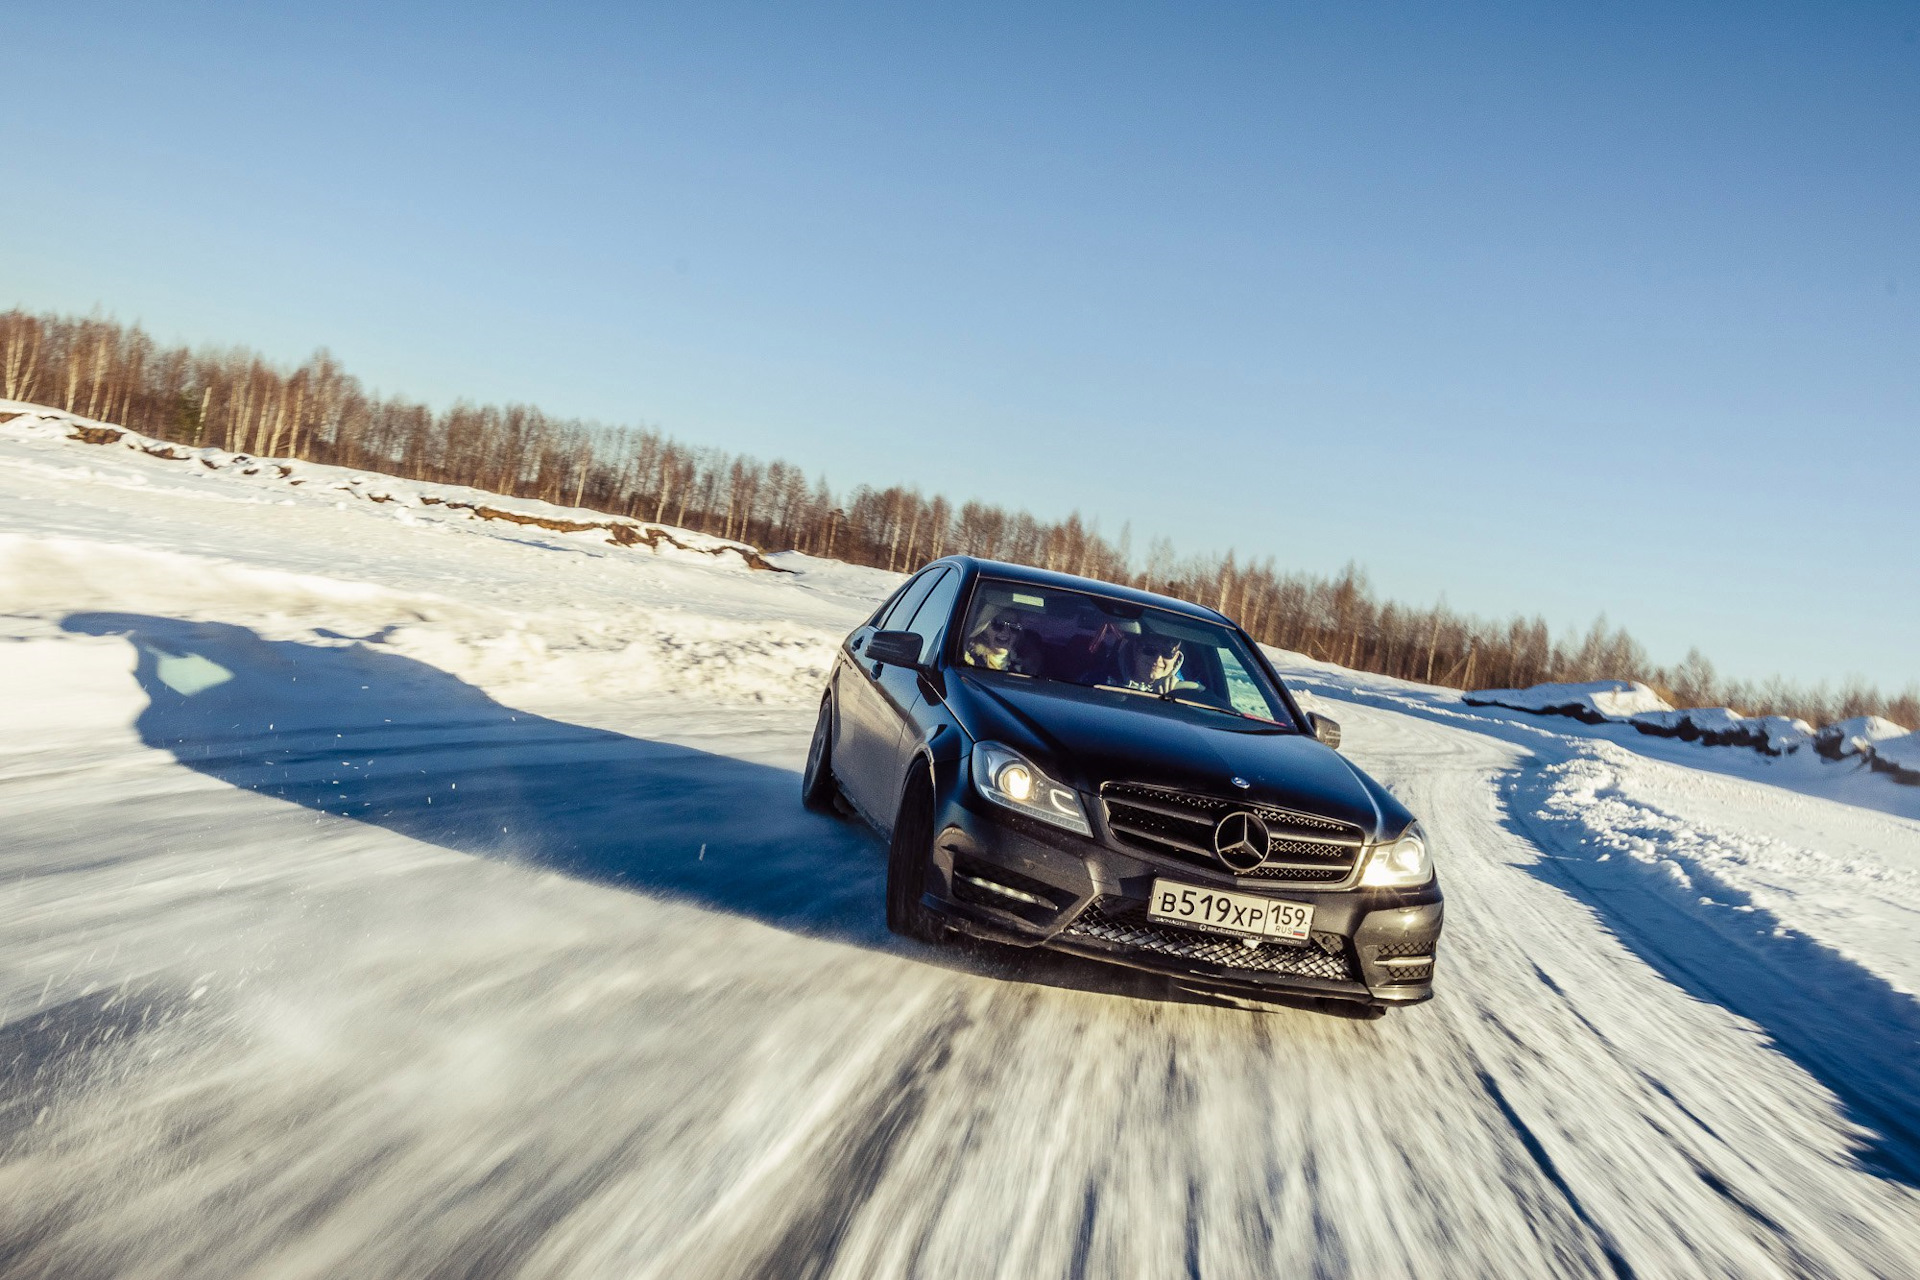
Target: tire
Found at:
x=818, y=789
x=907, y=855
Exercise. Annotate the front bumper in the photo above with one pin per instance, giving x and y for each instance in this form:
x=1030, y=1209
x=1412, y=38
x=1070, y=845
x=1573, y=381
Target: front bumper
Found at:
x=1011, y=879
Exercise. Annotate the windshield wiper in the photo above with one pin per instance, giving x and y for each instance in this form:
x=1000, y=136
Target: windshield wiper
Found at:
x=1231, y=711
x=1189, y=702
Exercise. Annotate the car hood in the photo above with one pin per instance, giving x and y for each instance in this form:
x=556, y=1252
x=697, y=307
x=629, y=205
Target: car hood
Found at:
x=1092, y=737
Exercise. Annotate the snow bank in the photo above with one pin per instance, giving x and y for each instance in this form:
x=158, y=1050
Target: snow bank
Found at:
x=1724, y=727
x=1855, y=736
x=50, y=576
x=1593, y=702
x=1778, y=735
x=1614, y=701
x=1897, y=756
x=1691, y=724
x=31, y=421
x=573, y=653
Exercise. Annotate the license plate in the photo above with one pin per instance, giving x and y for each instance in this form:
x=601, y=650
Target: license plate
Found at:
x=1221, y=911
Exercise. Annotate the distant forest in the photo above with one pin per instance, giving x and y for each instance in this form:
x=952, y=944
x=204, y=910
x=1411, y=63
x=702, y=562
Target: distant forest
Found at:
x=235, y=400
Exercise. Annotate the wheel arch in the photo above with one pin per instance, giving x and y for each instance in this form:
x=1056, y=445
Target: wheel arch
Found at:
x=830, y=707
x=920, y=765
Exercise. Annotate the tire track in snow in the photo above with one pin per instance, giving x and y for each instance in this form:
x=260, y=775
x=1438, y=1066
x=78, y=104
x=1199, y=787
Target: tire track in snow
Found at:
x=856, y=1157
x=1548, y=1170
x=1841, y=1226
x=1854, y=1032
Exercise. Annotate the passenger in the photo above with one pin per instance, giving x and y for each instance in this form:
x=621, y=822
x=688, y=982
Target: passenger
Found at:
x=1002, y=644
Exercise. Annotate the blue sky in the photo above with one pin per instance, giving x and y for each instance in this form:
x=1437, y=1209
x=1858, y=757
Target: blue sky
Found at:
x=1546, y=310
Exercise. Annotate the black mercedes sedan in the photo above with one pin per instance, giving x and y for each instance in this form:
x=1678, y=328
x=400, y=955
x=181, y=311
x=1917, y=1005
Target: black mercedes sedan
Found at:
x=1064, y=763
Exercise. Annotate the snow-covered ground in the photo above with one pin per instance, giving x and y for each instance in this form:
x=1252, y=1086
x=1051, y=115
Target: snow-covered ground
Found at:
x=386, y=891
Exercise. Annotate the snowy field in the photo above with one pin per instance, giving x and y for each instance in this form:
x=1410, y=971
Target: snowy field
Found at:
x=392, y=891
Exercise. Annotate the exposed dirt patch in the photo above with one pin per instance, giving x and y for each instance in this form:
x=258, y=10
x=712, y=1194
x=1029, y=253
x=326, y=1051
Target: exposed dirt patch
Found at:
x=1894, y=771
x=622, y=532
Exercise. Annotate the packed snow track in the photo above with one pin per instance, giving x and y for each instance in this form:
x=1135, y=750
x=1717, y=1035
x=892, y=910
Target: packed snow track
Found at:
x=384, y=898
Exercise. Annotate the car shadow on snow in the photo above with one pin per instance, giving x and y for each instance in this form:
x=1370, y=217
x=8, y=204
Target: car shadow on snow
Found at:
x=356, y=732
x=1842, y=1024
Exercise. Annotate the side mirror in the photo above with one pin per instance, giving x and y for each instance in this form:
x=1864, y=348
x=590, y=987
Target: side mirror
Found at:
x=1325, y=730
x=896, y=648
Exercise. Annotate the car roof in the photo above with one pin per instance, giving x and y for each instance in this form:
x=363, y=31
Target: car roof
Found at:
x=1071, y=582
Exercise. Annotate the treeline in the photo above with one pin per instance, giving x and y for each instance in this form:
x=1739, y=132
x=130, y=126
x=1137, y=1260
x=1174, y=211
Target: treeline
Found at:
x=235, y=400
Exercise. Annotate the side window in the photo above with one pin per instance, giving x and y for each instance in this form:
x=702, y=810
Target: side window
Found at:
x=933, y=611
x=886, y=606
x=896, y=618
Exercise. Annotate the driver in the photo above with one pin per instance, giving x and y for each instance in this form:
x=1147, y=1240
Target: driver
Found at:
x=1151, y=663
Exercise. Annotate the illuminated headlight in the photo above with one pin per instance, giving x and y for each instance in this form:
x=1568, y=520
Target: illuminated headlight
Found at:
x=1402, y=864
x=1006, y=777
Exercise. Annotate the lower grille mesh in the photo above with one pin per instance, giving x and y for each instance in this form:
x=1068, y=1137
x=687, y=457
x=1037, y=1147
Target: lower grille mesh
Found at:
x=1400, y=975
x=1116, y=920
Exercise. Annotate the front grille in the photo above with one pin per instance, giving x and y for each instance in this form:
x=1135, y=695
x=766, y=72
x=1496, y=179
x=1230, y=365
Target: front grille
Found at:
x=1297, y=875
x=1116, y=920
x=1302, y=847
x=1393, y=950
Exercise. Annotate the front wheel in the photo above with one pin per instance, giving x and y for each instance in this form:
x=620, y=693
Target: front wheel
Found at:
x=818, y=790
x=907, y=856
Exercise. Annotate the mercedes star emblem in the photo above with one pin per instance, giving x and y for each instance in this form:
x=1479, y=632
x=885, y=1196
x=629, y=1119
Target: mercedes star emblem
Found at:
x=1241, y=841
x=1241, y=783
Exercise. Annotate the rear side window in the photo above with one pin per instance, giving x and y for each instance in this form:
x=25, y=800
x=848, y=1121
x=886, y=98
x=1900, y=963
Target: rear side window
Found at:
x=886, y=606
x=896, y=618
x=933, y=611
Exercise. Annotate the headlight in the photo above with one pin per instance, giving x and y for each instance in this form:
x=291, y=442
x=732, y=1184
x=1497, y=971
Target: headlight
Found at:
x=1006, y=777
x=1402, y=864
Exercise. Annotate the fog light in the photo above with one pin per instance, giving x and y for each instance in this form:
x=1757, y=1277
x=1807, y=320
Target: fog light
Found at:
x=993, y=886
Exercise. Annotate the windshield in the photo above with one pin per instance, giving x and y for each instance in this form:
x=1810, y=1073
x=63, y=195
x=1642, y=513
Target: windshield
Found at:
x=1094, y=641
